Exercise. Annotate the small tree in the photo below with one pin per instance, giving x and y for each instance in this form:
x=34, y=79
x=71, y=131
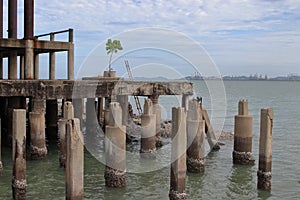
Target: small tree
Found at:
x=112, y=47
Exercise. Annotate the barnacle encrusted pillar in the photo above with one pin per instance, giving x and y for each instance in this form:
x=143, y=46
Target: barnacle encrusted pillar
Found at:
x=264, y=173
x=115, y=148
x=195, y=138
x=178, y=155
x=19, y=154
x=242, y=150
x=38, y=149
x=148, y=139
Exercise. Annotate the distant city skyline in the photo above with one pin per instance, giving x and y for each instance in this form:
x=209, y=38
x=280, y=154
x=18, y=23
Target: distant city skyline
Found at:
x=241, y=37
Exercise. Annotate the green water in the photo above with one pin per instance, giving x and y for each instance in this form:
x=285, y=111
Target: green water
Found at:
x=221, y=180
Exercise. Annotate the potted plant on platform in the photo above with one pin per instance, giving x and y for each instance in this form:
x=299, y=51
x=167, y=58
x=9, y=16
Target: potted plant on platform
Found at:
x=112, y=46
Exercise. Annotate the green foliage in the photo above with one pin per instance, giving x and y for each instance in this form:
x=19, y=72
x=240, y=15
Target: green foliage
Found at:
x=113, y=47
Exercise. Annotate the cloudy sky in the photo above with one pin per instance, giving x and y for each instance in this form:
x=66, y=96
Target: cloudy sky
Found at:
x=242, y=37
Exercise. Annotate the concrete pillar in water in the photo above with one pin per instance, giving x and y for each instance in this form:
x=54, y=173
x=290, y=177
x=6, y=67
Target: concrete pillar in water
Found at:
x=74, y=162
x=115, y=149
x=157, y=112
x=67, y=115
x=19, y=154
x=242, y=150
x=91, y=116
x=38, y=149
x=148, y=139
x=106, y=110
x=195, y=138
x=185, y=101
x=178, y=155
x=264, y=173
x=51, y=119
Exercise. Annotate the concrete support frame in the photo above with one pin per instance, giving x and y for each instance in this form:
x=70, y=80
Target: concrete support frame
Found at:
x=115, y=149
x=52, y=61
x=12, y=33
x=242, y=150
x=19, y=154
x=178, y=155
x=29, y=60
x=264, y=173
x=71, y=56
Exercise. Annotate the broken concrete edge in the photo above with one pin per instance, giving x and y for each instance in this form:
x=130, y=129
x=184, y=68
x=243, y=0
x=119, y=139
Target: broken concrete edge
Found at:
x=175, y=195
x=114, y=177
x=264, y=180
x=195, y=165
x=38, y=153
x=243, y=158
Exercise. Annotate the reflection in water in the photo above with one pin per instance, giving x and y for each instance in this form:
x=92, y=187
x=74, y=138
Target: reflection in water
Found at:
x=241, y=181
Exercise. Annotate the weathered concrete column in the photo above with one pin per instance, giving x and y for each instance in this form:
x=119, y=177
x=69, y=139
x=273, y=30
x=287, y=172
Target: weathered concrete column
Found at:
x=38, y=149
x=115, y=149
x=100, y=109
x=106, y=111
x=52, y=61
x=195, y=138
x=51, y=119
x=12, y=33
x=264, y=173
x=157, y=112
x=28, y=19
x=242, y=150
x=91, y=116
x=185, y=101
x=71, y=57
x=178, y=155
x=123, y=101
x=29, y=59
x=22, y=67
x=36, y=66
x=19, y=154
x=67, y=115
x=75, y=161
x=148, y=139
x=78, y=109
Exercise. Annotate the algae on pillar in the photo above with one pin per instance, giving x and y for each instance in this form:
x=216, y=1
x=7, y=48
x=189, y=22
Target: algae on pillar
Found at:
x=115, y=148
x=148, y=139
x=195, y=138
x=242, y=150
x=178, y=155
x=264, y=173
x=19, y=154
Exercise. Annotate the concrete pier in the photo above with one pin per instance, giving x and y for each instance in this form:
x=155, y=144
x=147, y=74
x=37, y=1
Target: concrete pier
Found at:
x=19, y=154
x=178, y=155
x=195, y=138
x=75, y=161
x=115, y=149
x=148, y=139
x=157, y=112
x=264, y=173
x=242, y=150
x=38, y=149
